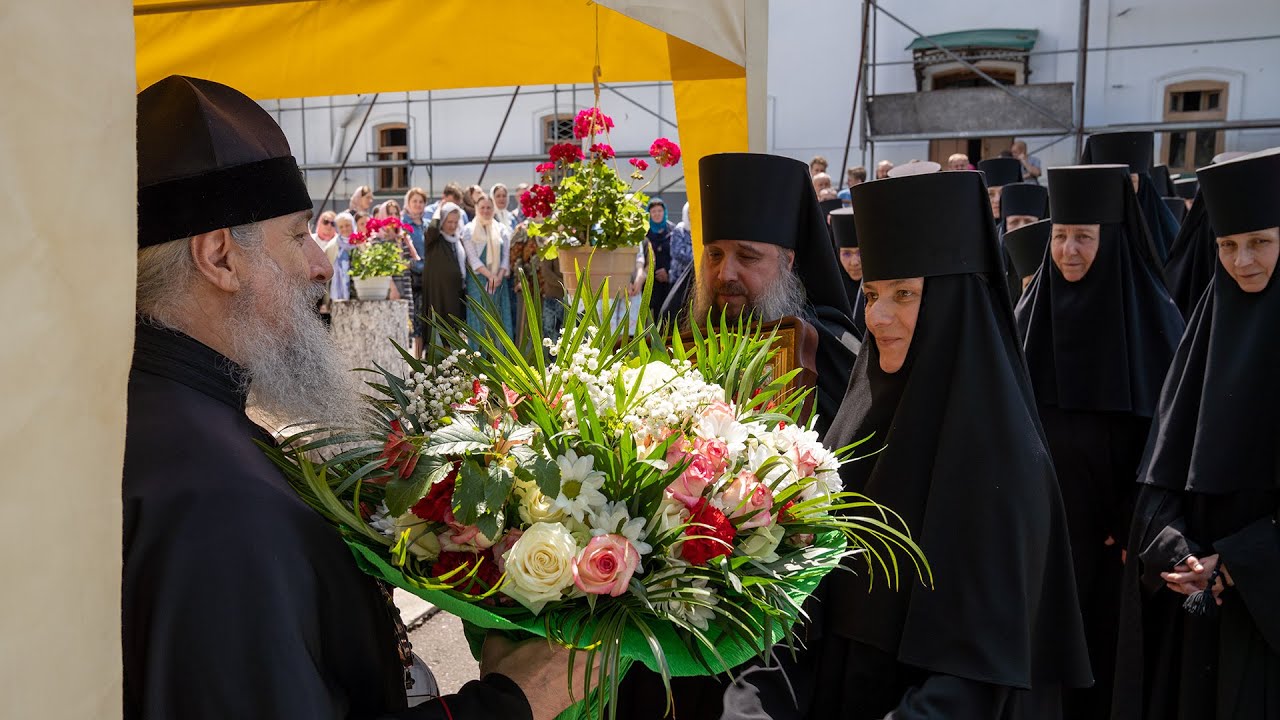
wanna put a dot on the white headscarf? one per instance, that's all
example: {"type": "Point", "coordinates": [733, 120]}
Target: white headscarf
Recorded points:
{"type": "Point", "coordinates": [489, 236]}
{"type": "Point", "coordinates": [443, 213]}
{"type": "Point", "coordinates": [502, 215]}
{"type": "Point", "coordinates": [684, 218]}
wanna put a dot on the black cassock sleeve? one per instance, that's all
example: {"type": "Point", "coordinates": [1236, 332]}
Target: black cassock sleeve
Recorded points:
{"type": "Point", "coordinates": [1159, 534]}
{"type": "Point", "coordinates": [493, 696]}
{"type": "Point", "coordinates": [1252, 556]}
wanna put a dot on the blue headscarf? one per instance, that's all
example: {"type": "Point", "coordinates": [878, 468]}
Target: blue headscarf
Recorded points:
{"type": "Point", "coordinates": [658, 226]}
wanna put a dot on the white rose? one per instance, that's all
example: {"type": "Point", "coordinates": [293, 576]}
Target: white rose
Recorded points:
{"type": "Point", "coordinates": [424, 545]}
{"type": "Point", "coordinates": [540, 565]}
{"type": "Point", "coordinates": [535, 507]}
{"type": "Point", "coordinates": [762, 543]}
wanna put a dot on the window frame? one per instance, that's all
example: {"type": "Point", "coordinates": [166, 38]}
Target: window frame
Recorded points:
{"type": "Point", "coordinates": [391, 179]}
{"type": "Point", "coordinates": [1187, 160]}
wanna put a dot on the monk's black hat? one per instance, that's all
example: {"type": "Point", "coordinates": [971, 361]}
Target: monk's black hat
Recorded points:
{"type": "Point", "coordinates": [953, 235]}
{"type": "Point", "coordinates": [1001, 171]}
{"type": "Point", "coordinates": [209, 157]}
{"type": "Point", "coordinates": [1026, 246]}
{"type": "Point", "coordinates": [1133, 148]}
{"type": "Point", "coordinates": [1088, 194]}
{"type": "Point", "coordinates": [845, 230]}
{"type": "Point", "coordinates": [1024, 199]}
{"type": "Point", "coordinates": [1242, 195]}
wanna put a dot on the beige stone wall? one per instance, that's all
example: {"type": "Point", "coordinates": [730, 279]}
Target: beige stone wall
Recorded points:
{"type": "Point", "coordinates": [66, 307]}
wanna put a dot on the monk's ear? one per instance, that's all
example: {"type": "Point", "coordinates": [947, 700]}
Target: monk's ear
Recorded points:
{"type": "Point", "coordinates": [218, 259]}
{"type": "Point", "coordinates": [791, 259]}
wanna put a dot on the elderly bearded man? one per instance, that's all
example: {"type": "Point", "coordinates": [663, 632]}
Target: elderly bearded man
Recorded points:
{"type": "Point", "coordinates": [238, 600]}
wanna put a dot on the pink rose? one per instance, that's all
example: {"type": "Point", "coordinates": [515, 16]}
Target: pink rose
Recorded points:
{"type": "Point", "coordinates": [720, 412]}
{"type": "Point", "coordinates": [678, 450]}
{"type": "Point", "coordinates": [460, 537]}
{"type": "Point", "coordinates": [747, 497]}
{"type": "Point", "coordinates": [501, 547]}
{"type": "Point", "coordinates": [606, 565]}
{"type": "Point", "coordinates": [808, 457]}
{"type": "Point", "coordinates": [715, 450]}
{"type": "Point", "coordinates": [696, 477]}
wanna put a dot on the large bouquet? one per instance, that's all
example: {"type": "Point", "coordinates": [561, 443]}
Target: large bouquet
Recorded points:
{"type": "Point", "coordinates": [634, 498]}
{"type": "Point", "coordinates": [582, 199]}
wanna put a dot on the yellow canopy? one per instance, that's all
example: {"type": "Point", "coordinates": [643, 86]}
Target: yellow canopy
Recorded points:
{"type": "Point", "coordinates": [302, 48]}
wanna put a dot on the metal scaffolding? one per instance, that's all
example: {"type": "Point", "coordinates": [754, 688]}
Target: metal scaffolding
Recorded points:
{"type": "Point", "coordinates": [1062, 128]}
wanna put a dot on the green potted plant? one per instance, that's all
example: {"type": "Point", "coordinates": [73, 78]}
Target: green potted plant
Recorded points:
{"type": "Point", "coordinates": [376, 258]}
{"type": "Point", "coordinates": [590, 216]}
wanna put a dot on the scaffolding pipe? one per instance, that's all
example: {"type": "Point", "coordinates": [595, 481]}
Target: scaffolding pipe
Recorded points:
{"type": "Point", "coordinates": [857, 83]}
{"type": "Point", "coordinates": [1082, 58]}
{"type": "Point", "coordinates": [329, 193]}
{"type": "Point", "coordinates": [494, 148]}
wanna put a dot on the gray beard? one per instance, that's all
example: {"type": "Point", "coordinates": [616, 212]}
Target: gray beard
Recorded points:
{"type": "Point", "coordinates": [782, 299]}
{"type": "Point", "coordinates": [296, 375]}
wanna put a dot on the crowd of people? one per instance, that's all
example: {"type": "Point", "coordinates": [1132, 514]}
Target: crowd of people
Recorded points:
{"type": "Point", "coordinates": [1069, 399]}
{"type": "Point", "coordinates": [475, 244]}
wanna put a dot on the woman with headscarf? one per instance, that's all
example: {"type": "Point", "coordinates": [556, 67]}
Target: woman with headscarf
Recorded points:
{"type": "Point", "coordinates": [1099, 331]}
{"type": "Point", "coordinates": [846, 236]}
{"type": "Point", "coordinates": [1137, 149]}
{"type": "Point", "coordinates": [444, 274]}
{"type": "Point", "coordinates": [1205, 524]}
{"type": "Point", "coordinates": [340, 284]}
{"type": "Point", "coordinates": [658, 241]}
{"type": "Point", "coordinates": [501, 202]}
{"type": "Point", "coordinates": [953, 445]}
{"type": "Point", "coordinates": [681, 272]}
{"type": "Point", "coordinates": [488, 246]}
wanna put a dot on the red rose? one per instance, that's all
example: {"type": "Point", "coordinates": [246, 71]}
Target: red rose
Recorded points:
{"type": "Point", "coordinates": [566, 153]}
{"type": "Point", "coordinates": [484, 579]}
{"type": "Point", "coordinates": [665, 152]}
{"type": "Point", "coordinates": [604, 152]}
{"type": "Point", "coordinates": [591, 122]}
{"type": "Point", "coordinates": [438, 502]}
{"type": "Point", "coordinates": [707, 522]}
{"type": "Point", "coordinates": [639, 164]}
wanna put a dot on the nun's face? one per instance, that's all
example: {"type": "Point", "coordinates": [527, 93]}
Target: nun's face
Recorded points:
{"type": "Point", "coordinates": [1027, 281]}
{"type": "Point", "coordinates": [893, 307]}
{"type": "Point", "coordinates": [741, 271]}
{"type": "Point", "coordinates": [1133, 178]}
{"type": "Point", "coordinates": [1073, 248]}
{"type": "Point", "coordinates": [1250, 257]}
{"type": "Point", "coordinates": [994, 194]}
{"type": "Point", "coordinates": [1013, 222]}
{"type": "Point", "coordinates": [851, 261]}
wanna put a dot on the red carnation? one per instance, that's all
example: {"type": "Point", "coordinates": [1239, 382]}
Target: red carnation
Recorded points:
{"type": "Point", "coordinates": [665, 152]}
{"type": "Point", "coordinates": [603, 151]}
{"type": "Point", "coordinates": [439, 499]}
{"type": "Point", "coordinates": [708, 523]}
{"type": "Point", "coordinates": [591, 122]}
{"type": "Point", "coordinates": [544, 168]}
{"type": "Point", "coordinates": [639, 164]}
{"type": "Point", "coordinates": [566, 153]}
{"type": "Point", "coordinates": [484, 579]}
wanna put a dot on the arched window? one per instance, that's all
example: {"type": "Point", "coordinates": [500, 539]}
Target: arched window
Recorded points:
{"type": "Point", "coordinates": [556, 129]}
{"type": "Point", "coordinates": [1193, 101]}
{"type": "Point", "coordinates": [392, 144]}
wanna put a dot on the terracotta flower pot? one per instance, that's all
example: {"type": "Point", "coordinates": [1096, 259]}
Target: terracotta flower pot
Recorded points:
{"type": "Point", "coordinates": [618, 266]}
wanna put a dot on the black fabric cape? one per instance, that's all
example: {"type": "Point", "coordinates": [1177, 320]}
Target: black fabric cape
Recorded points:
{"type": "Point", "coordinates": [1097, 351]}
{"type": "Point", "coordinates": [442, 281]}
{"type": "Point", "coordinates": [1160, 221]}
{"type": "Point", "coordinates": [238, 600]}
{"type": "Point", "coordinates": [1192, 259]}
{"type": "Point", "coordinates": [1210, 484]}
{"type": "Point", "coordinates": [965, 464]}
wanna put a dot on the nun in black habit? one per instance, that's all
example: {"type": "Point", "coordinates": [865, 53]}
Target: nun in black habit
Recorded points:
{"type": "Point", "coordinates": [239, 601]}
{"type": "Point", "coordinates": [1020, 204]}
{"type": "Point", "coordinates": [1210, 485]}
{"type": "Point", "coordinates": [999, 172]}
{"type": "Point", "coordinates": [737, 274]}
{"type": "Point", "coordinates": [1136, 149]}
{"type": "Point", "coordinates": [955, 447]}
{"type": "Point", "coordinates": [1026, 247]}
{"type": "Point", "coordinates": [1099, 331]}
{"type": "Point", "coordinates": [846, 235]}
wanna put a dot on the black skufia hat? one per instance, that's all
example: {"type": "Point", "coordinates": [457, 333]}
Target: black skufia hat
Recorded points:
{"type": "Point", "coordinates": [844, 229]}
{"type": "Point", "coordinates": [1086, 194]}
{"type": "Point", "coordinates": [1177, 206]}
{"type": "Point", "coordinates": [1026, 246]}
{"type": "Point", "coordinates": [1186, 188]}
{"type": "Point", "coordinates": [209, 157]}
{"type": "Point", "coordinates": [1164, 182]}
{"type": "Point", "coordinates": [1024, 199]}
{"type": "Point", "coordinates": [793, 222]}
{"type": "Point", "coordinates": [1133, 148]}
{"type": "Point", "coordinates": [1242, 195]}
{"type": "Point", "coordinates": [829, 206]}
{"type": "Point", "coordinates": [1001, 171]}
{"type": "Point", "coordinates": [956, 235]}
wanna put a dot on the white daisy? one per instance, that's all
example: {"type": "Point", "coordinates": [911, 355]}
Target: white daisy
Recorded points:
{"type": "Point", "coordinates": [580, 485]}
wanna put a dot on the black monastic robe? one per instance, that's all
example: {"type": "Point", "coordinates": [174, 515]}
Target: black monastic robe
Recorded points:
{"type": "Point", "coordinates": [239, 601]}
